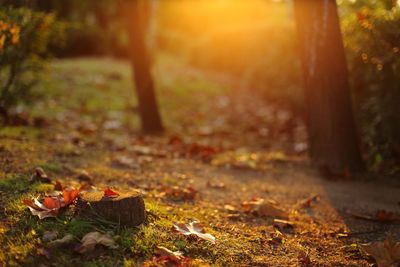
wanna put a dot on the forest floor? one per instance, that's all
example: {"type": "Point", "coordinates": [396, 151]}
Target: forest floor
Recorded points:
{"type": "Point", "coordinates": [223, 147]}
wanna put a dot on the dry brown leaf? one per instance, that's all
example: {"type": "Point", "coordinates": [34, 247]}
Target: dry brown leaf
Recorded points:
{"type": "Point", "coordinates": [51, 205]}
{"type": "Point", "coordinates": [283, 224]}
{"type": "Point", "coordinates": [142, 150]}
{"type": "Point", "coordinates": [304, 258]}
{"type": "Point", "coordinates": [230, 208]}
{"type": "Point", "coordinates": [219, 185]}
{"type": "Point", "coordinates": [306, 203]}
{"type": "Point", "coordinates": [174, 256]}
{"type": "Point", "coordinates": [380, 216]}
{"type": "Point", "coordinates": [184, 193]}
{"type": "Point", "coordinates": [49, 236]}
{"type": "Point", "coordinates": [90, 240]}
{"type": "Point", "coordinates": [386, 253]}
{"type": "Point", "coordinates": [193, 228]}
{"type": "Point", "coordinates": [262, 207]}
{"type": "Point", "coordinates": [39, 175]}
{"type": "Point", "coordinates": [125, 162]}
{"type": "Point", "coordinates": [43, 252]}
{"type": "Point", "coordinates": [38, 209]}
{"type": "Point", "coordinates": [167, 257]}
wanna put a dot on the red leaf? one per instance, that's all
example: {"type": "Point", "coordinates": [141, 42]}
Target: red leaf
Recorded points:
{"type": "Point", "coordinates": [110, 193]}
{"type": "Point", "coordinates": [70, 195]}
{"type": "Point", "coordinates": [52, 202]}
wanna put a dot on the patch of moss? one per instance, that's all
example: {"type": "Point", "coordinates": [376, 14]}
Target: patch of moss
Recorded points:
{"type": "Point", "coordinates": [19, 131]}
{"type": "Point", "coordinates": [52, 166]}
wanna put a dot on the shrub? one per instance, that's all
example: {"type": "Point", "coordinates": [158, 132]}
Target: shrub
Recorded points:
{"type": "Point", "coordinates": [24, 39]}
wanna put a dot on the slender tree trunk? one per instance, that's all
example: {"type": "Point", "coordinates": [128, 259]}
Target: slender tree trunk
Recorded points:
{"type": "Point", "coordinates": [332, 130]}
{"type": "Point", "coordinates": [148, 108]}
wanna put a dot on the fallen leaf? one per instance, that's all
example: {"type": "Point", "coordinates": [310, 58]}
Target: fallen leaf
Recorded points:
{"type": "Point", "coordinates": [43, 252]}
{"type": "Point", "coordinates": [230, 208]}
{"type": "Point", "coordinates": [110, 193]}
{"type": "Point", "coordinates": [386, 253]}
{"type": "Point", "coordinates": [304, 258]}
{"type": "Point", "coordinates": [52, 202]}
{"type": "Point", "coordinates": [234, 217]}
{"type": "Point", "coordinates": [70, 195]}
{"type": "Point", "coordinates": [38, 209]}
{"type": "Point", "coordinates": [90, 240]}
{"type": "Point", "coordinates": [275, 239]}
{"type": "Point", "coordinates": [39, 175]}
{"type": "Point", "coordinates": [380, 216]}
{"type": "Point", "coordinates": [219, 185]}
{"type": "Point", "coordinates": [125, 162]}
{"type": "Point", "coordinates": [51, 205]}
{"type": "Point", "coordinates": [49, 236]}
{"type": "Point", "coordinates": [261, 207]}
{"type": "Point", "coordinates": [142, 150]}
{"type": "Point", "coordinates": [184, 193]}
{"type": "Point", "coordinates": [167, 261]}
{"type": "Point", "coordinates": [175, 140]}
{"type": "Point", "coordinates": [68, 238]}
{"type": "Point", "coordinates": [193, 228]}
{"type": "Point", "coordinates": [204, 152]}
{"type": "Point", "coordinates": [306, 203]}
{"type": "Point", "coordinates": [167, 257]}
{"type": "Point", "coordinates": [239, 160]}
{"type": "Point", "coordinates": [387, 216]}
{"type": "Point", "coordinates": [112, 125]}
{"type": "Point", "coordinates": [283, 224]}
{"type": "Point", "coordinates": [173, 256]}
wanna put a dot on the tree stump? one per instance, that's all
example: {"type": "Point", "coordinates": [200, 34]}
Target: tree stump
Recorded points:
{"type": "Point", "coordinates": [126, 209]}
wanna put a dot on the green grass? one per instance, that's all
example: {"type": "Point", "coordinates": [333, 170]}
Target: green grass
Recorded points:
{"type": "Point", "coordinates": [16, 132]}
{"type": "Point", "coordinates": [21, 237]}
{"type": "Point", "coordinates": [104, 89]}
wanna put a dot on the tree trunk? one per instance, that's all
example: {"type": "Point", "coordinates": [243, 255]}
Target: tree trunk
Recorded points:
{"type": "Point", "coordinates": [332, 130]}
{"type": "Point", "coordinates": [148, 108]}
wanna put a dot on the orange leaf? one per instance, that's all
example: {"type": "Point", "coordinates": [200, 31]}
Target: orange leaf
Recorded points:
{"type": "Point", "coordinates": [110, 193]}
{"type": "Point", "coordinates": [70, 195]}
{"type": "Point", "coordinates": [52, 202]}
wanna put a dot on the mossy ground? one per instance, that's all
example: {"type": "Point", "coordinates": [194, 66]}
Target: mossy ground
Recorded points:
{"type": "Point", "coordinates": [80, 96]}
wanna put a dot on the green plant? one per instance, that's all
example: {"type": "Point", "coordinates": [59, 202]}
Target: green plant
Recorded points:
{"type": "Point", "coordinates": [24, 38]}
{"type": "Point", "coordinates": [372, 40]}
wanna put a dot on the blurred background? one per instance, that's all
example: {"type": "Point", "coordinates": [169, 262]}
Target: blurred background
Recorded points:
{"type": "Point", "coordinates": [247, 47]}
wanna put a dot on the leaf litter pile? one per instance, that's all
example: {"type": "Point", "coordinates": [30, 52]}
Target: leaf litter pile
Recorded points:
{"type": "Point", "coordinates": [221, 190]}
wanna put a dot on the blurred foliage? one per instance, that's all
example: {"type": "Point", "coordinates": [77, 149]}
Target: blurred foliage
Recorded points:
{"type": "Point", "coordinates": [24, 38]}
{"type": "Point", "coordinates": [372, 40]}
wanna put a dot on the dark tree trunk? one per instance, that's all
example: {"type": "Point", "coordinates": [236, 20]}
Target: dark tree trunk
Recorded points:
{"type": "Point", "coordinates": [148, 108]}
{"type": "Point", "coordinates": [332, 130]}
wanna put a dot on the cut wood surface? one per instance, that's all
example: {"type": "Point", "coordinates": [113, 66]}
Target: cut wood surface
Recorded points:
{"type": "Point", "coordinates": [127, 208]}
